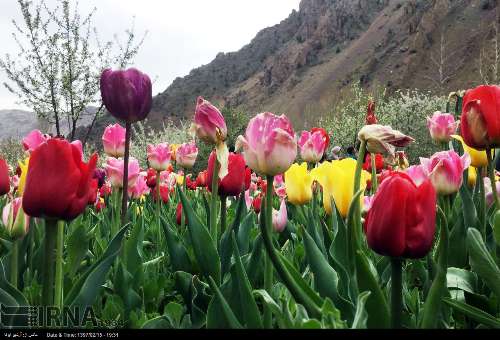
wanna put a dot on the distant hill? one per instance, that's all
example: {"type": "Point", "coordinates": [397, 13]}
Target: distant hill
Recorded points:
{"type": "Point", "coordinates": [300, 65]}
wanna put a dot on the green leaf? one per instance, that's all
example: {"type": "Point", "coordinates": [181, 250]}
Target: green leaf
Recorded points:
{"type": "Point", "coordinates": [361, 315]}
{"type": "Point", "coordinates": [225, 242]}
{"type": "Point", "coordinates": [473, 313]}
{"type": "Point", "coordinates": [203, 245]}
{"type": "Point", "coordinates": [179, 257]}
{"type": "Point", "coordinates": [226, 310]}
{"type": "Point", "coordinates": [77, 247]}
{"type": "Point", "coordinates": [432, 305]}
{"type": "Point", "coordinates": [461, 279]}
{"type": "Point", "coordinates": [376, 306]}
{"type": "Point", "coordinates": [243, 234]}
{"type": "Point", "coordinates": [86, 289]}
{"type": "Point", "coordinates": [496, 228]}
{"type": "Point", "coordinates": [482, 262]}
{"type": "Point", "coordinates": [250, 311]}
{"type": "Point", "coordinates": [469, 209]}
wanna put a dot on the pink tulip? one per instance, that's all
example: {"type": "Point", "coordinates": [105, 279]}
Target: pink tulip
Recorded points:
{"type": "Point", "coordinates": [279, 186]}
{"type": "Point", "coordinates": [488, 191]}
{"type": "Point", "coordinates": [14, 219]}
{"type": "Point", "coordinates": [113, 140]}
{"type": "Point", "coordinates": [186, 155]}
{"type": "Point", "coordinates": [445, 170]}
{"type": "Point", "coordinates": [417, 173]}
{"type": "Point", "coordinates": [248, 199]}
{"type": "Point", "coordinates": [312, 146]}
{"type": "Point", "coordinates": [114, 171]}
{"type": "Point", "coordinates": [159, 156]}
{"type": "Point", "coordinates": [139, 188]}
{"type": "Point", "coordinates": [367, 203]}
{"type": "Point", "coordinates": [33, 140]}
{"type": "Point", "coordinates": [269, 145]}
{"type": "Point", "coordinates": [209, 124]}
{"type": "Point", "coordinates": [442, 126]}
{"type": "Point", "coordinates": [280, 218]}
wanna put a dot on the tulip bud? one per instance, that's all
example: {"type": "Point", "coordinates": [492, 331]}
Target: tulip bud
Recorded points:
{"type": "Point", "coordinates": [100, 205]}
{"type": "Point", "coordinates": [402, 219]}
{"type": "Point", "coordinates": [159, 156]}
{"type": "Point", "coordinates": [445, 170]}
{"type": "Point", "coordinates": [298, 184]}
{"type": "Point", "coordinates": [371, 119]}
{"type": "Point", "coordinates": [127, 94]}
{"type": "Point", "coordinates": [383, 139]}
{"type": "Point", "coordinates": [33, 140]}
{"type": "Point", "coordinates": [4, 177]}
{"type": "Point", "coordinates": [186, 155]}
{"type": "Point", "coordinates": [113, 140]}
{"type": "Point", "coordinates": [15, 220]}
{"type": "Point", "coordinates": [114, 171]}
{"type": "Point", "coordinates": [178, 215]}
{"type": "Point", "coordinates": [280, 218]}
{"type": "Point", "coordinates": [269, 144]}
{"type": "Point", "coordinates": [209, 124]}
{"type": "Point", "coordinates": [257, 203]}
{"type": "Point", "coordinates": [480, 122]}
{"type": "Point", "coordinates": [312, 146]}
{"type": "Point", "coordinates": [442, 126]}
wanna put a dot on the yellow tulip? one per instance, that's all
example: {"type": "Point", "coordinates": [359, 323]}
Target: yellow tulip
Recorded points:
{"type": "Point", "coordinates": [180, 179]}
{"type": "Point", "coordinates": [173, 150]}
{"type": "Point", "coordinates": [24, 173]}
{"type": "Point", "coordinates": [472, 176]}
{"type": "Point", "coordinates": [337, 181]}
{"type": "Point", "coordinates": [478, 158]}
{"type": "Point", "coordinates": [298, 184]}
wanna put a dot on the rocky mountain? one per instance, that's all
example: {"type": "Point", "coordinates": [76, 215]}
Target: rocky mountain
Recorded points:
{"type": "Point", "coordinates": [301, 65]}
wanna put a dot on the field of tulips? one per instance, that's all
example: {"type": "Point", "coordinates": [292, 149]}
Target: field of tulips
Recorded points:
{"type": "Point", "coordinates": [284, 232]}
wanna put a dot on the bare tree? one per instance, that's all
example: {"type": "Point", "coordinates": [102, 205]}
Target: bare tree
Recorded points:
{"type": "Point", "coordinates": [489, 55]}
{"type": "Point", "coordinates": [60, 59]}
{"type": "Point", "coordinates": [443, 69]}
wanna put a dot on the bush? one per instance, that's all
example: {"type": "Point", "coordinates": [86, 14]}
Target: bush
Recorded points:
{"type": "Point", "coordinates": [403, 110]}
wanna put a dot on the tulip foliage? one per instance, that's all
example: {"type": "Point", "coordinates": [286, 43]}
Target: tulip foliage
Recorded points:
{"type": "Point", "coordinates": [272, 235]}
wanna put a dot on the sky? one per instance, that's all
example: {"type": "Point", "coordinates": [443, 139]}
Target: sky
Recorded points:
{"type": "Point", "coordinates": [182, 34]}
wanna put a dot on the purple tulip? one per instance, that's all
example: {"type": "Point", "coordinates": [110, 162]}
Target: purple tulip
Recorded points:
{"type": "Point", "coordinates": [127, 94]}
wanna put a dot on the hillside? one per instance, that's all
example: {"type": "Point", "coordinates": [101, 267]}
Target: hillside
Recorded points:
{"type": "Point", "coordinates": [300, 66]}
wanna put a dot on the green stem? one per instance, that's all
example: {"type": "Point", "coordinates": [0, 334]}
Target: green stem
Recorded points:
{"type": "Point", "coordinates": [396, 292]}
{"type": "Point", "coordinates": [491, 172]}
{"type": "Point", "coordinates": [223, 213]}
{"type": "Point", "coordinates": [374, 173]}
{"type": "Point", "coordinates": [158, 206]}
{"type": "Point", "coordinates": [128, 128]}
{"type": "Point", "coordinates": [482, 200]}
{"type": "Point", "coordinates": [213, 201]}
{"type": "Point", "coordinates": [268, 267]}
{"type": "Point", "coordinates": [49, 262]}
{"type": "Point", "coordinates": [183, 216]}
{"type": "Point", "coordinates": [357, 184]}
{"type": "Point", "coordinates": [58, 297]}
{"type": "Point", "coordinates": [14, 258]}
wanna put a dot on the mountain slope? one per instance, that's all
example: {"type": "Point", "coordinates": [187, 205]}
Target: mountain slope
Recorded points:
{"type": "Point", "coordinates": [300, 66]}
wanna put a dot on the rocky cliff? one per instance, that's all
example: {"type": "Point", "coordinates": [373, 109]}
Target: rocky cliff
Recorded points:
{"type": "Point", "coordinates": [300, 66]}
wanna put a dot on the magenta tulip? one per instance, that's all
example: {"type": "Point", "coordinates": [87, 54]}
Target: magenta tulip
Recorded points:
{"type": "Point", "coordinates": [186, 155]}
{"type": "Point", "coordinates": [269, 144]}
{"type": "Point", "coordinates": [442, 126]}
{"type": "Point", "coordinates": [312, 146]}
{"type": "Point", "coordinates": [113, 141]}
{"type": "Point", "coordinates": [114, 171]}
{"type": "Point", "coordinates": [417, 173]}
{"type": "Point", "coordinates": [445, 170]}
{"type": "Point", "coordinates": [209, 124]}
{"type": "Point", "coordinates": [33, 140]}
{"type": "Point", "coordinates": [159, 156]}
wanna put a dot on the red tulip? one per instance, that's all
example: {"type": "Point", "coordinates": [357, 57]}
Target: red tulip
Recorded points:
{"type": "Point", "coordinates": [402, 219]}
{"type": "Point", "coordinates": [4, 177]}
{"type": "Point", "coordinates": [256, 203]}
{"type": "Point", "coordinates": [58, 181]}
{"type": "Point", "coordinates": [235, 181]}
{"type": "Point", "coordinates": [164, 193]}
{"type": "Point", "coordinates": [93, 191]}
{"type": "Point", "coordinates": [371, 119]}
{"type": "Point", "coordinates": [202, 179]}
{"type": "Point", "coordinates": [379, 163]}
{"type": "Point", "coordinates": [100, 205]}
{"type": "Point", "coordinates": [190, 184]}
{"type": "Point", "coordinates": [151, 178]}
{"type": "Point", "coordinates": [178, 215]}
{"type": "Point", "coordinates": [480, 123]}
{"type": "Point", "coordinates": [105, 190]}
